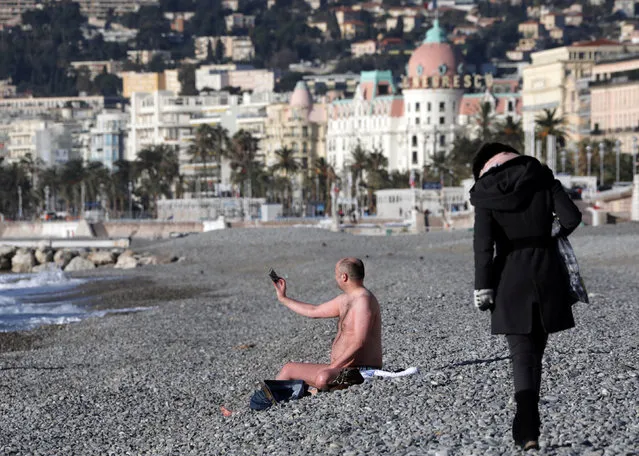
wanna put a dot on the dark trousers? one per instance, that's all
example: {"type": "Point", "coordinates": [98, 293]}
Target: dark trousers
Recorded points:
{"type": "Point", "coordinates": [526, 351]}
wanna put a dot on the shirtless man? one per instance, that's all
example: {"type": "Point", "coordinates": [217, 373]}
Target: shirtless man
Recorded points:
{"type": "Point", "coordinates": [359, 330]}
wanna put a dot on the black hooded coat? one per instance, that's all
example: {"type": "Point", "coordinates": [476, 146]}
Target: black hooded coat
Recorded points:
{"type": "Point", "coordinates": [515, 255]}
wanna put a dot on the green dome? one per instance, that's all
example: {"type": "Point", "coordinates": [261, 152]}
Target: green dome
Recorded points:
{"type": "Point", "coordinates": [435, 34]}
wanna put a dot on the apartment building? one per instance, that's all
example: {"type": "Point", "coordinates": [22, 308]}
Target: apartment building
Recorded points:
{"type": "Point", "coordinates": [552, 81]}
{"type": "Point", "coordinates": [44, 140]}
{"type": "Point", "coordinates": [236, 48]}
{"type": "Point", "coordinates": [96, 67]}
{"type": "Point", "coordinates": [217, 77]}
{"type": "Point", "coordinates": [11, 10]}
{"type": "Point", "coordinates": [108, 138]}
{"type": "Point", "coordinates": [239, 20]}
{"type": "Point", "coordinates": [150, 82]}
{"type": "Point", "coordinates": [361, 48]}
{"type": "Point", "coordinates": [162, 117]}
{"type": "Point", "coordinates": [63, 107]}
{"type": "Point", "coordinates": [614, 100]}
{"type": "Point", "coordinates": [145, 56]}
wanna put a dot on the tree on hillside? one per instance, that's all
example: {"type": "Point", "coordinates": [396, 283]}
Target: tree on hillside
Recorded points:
{"type": "Point", "coordinates": [333, 27]}
{"type": "Point", "coordinates": [186, 76]}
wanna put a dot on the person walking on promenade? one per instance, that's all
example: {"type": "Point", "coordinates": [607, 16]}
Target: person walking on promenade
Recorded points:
{"type": "Point", "coordinates": [519, 276]}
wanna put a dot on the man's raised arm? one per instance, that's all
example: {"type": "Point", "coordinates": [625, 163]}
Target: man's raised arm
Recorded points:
{"type": "Point", "coordinates": [329, 309]}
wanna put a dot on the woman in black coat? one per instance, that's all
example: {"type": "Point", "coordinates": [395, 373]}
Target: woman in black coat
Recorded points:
{"type": "Point", "coordinates": [518, 272]}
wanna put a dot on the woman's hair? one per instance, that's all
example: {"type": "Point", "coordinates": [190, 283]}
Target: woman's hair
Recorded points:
{"type": "Point", "coordinates": [486, 152]}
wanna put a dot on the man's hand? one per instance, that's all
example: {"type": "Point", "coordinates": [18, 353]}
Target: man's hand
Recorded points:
{"type": "Point", "coordinates": [484, 299]}
{"type": "Point", "coordinates": [280, 288]}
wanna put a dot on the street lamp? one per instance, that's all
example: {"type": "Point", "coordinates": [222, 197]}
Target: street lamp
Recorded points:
{"type": "Point", "coordinates": [130, 187]}
{"type": "Point", "coordinates": [563, 161]}
{"type": "Point", "coordinates": [46, 198]}
{"type": "Point", "coordinates": [617, 153]}
{"type": "Point", "coordinates": [19, 202]}
{"type": "Point", "coordinates": [634, 156]}
{"type": "Point", "coordinates": [602, 150]}
{"type": "Point", "coordinates": [589, 157]}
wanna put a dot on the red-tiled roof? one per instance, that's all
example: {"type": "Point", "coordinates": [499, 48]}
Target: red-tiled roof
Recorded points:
{"type": "Point", "coordinates": [599, 42]}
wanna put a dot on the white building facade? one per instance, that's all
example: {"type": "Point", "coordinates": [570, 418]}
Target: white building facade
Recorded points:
{"type": "Point", "coordinates": [108, 138]}
{"type": "Point", "coordinates": [409, 128]}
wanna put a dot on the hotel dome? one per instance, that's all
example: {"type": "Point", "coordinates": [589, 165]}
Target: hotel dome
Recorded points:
{"type": "Point", "coordinates": [434, 57]}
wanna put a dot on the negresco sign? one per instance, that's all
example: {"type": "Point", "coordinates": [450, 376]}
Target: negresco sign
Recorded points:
{"type": "Point", "coordinates": [458, 81]}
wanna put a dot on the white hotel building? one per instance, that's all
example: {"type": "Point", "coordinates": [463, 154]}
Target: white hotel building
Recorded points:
{"type": "Point", "coordinates": [409, 128]}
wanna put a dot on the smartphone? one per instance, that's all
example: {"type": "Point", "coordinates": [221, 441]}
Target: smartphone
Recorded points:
{"type": "Point", "coordinates": [273, 275]}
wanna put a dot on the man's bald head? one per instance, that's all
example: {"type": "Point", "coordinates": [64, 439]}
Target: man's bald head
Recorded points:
{"type": "Point", "coordinates": [353, 267]}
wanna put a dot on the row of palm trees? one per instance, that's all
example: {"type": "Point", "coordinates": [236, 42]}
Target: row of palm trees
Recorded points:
{"type": "Point", "coordinates": [155, 172]}
{"type": "Point", "coordinates": [27, 188]}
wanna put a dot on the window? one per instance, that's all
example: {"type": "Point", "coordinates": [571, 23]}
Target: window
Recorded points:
{"type": "Point", "coordinates": [442, 140]}
{"type": "Point", "coordinates": [442, 120]}
{"type": "Point", "coordinates": [442, 106]}
{"type": "Point", "coordinates": [510, 106]}
{"type": "Point", "coordinates": [454, 106]}
{"type": "Point", "coordinates": [305, 131]}
{"type": "Point", "coordinates": [414, 157]}
{"type": "Point", "coordinates": [428, 120]}
{"type": "Point", "coordinates": [428, 107]}
{"type": "Point", "coordinates": [416, 120]}
{"type": "Point", "coordinates": [414, 141]}
{"type": "Point", "coordinates": [416, 107]}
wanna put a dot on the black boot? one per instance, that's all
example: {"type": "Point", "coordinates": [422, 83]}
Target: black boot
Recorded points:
{"type": "Point", "coordinates": [526, 422]}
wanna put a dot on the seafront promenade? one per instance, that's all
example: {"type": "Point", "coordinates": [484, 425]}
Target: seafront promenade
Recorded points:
{"type": "Point", "coordinates": [152, 382]}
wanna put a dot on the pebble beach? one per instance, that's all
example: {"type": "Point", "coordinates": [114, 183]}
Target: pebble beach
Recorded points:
{"type": "Point", "coordinates": [152, 382]}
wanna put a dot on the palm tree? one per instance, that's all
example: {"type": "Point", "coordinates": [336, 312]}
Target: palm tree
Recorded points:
{"type": "Point", "coordinates": [289, 166]}
{"type": "Point", "coordinates": [511, 132]}
{"type": "Point", "coordinates": [123, 172]}
{"type": "Point", "coordinates": [327, 176]}
{"type": "Point", "coordinates": [485, 120]}
{"type": "Point", "coordinates": [359, 158]}
{"type": "Point", "coordinates": [549, 123]}
{"type": "Point", "coordinates": [438, 167]}
{"type": "Point", "coordinates": [157, 167]}
{"type": "Point", "coordinates": [12, 177]}
{"type": "Point", "coordinates": [209, 145]}
{"type": "Point", "coordinates": [52, 178]}
{"type": "Point", "coordinates": [376, 174]}
{"type": "Point", "coordinates": [459, 160]}
{"type": "Point", "coordinates": [242, 154]}
{"type": "Point", "coordinates": [72, 175]}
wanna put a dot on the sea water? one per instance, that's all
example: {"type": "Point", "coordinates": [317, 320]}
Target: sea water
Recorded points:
{"type": "Point", "coordinates": [31, 300]}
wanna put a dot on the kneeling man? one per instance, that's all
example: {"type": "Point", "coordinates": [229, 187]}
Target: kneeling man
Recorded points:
{"type": "Point", "coordinates": [358, 343]}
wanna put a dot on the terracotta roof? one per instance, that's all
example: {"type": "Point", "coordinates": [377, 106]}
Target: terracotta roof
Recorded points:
{"type": "Point", "coordinates": [599, 42]}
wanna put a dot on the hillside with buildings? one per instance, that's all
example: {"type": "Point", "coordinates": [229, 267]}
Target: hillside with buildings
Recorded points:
{"type": "Point", "coordinates": [113, 103]}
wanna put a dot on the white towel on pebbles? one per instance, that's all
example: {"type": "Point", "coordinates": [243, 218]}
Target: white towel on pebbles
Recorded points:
{"type": "Point", "coordinates": [370, 373]}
